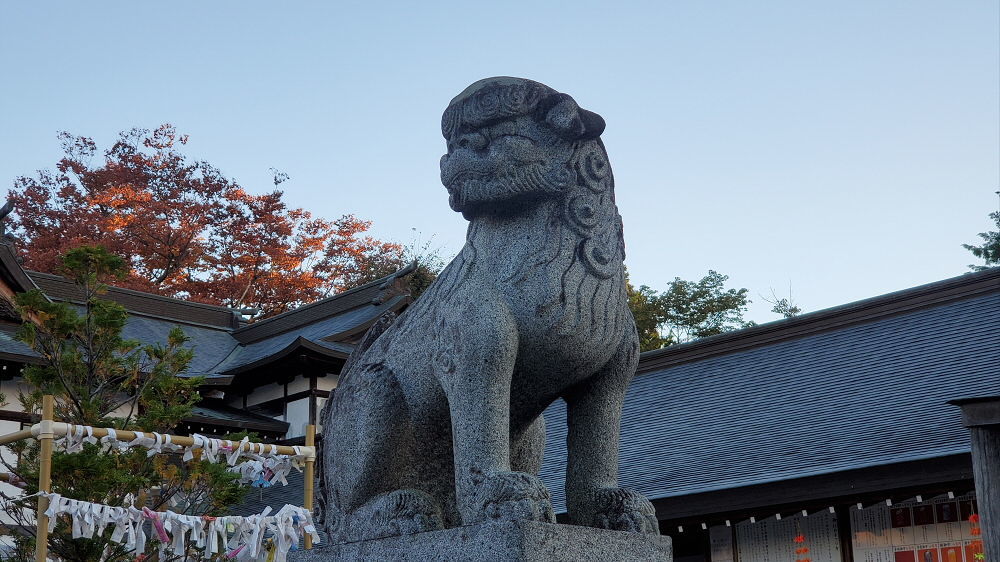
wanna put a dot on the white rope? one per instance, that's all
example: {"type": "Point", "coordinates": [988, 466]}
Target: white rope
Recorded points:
{"type": "Point", "coordinates": [156, 443]}
{"type": "Point", "coordinates": [262, 465]}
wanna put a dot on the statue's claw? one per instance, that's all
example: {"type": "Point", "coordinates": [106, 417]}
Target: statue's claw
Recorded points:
{"type": "Point", "coordinates": [619, 509]}
{"type": "Point", "coordinates": [510, 496]}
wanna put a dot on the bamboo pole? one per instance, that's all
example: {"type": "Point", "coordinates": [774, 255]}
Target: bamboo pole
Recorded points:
{"type": "Point", "coordinates": [310, 476]}
{"type": "Point", "coordinates": [16, 436]}
{"type": "Point", "coordinates": [44, 477]}
{"type": "Point", "coordinates": [60, 429]}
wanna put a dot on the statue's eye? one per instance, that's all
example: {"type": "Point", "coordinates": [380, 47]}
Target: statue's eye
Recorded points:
{"type": "Point", "coordinates": [471, 141]}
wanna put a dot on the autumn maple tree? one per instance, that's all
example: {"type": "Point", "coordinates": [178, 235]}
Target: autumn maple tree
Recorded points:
{"type": "Point", "coordinates": [188, 230]}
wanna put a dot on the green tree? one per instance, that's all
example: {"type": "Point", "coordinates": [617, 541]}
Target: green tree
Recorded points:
{"type": "Point", "coordinates": [989, 251]}
{"type": "Point", "coordinates": [648, 316]}
{"type": "Point", "coordinates": [687, 310]}
{"type": "Point", "coordinates": [785, 307]}
{"type": "Point", "coordinates": [426, 257]}
{"type": "Point", "coordinates": [98, 378]}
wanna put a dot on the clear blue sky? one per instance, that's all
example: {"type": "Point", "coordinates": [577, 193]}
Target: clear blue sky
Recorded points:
{"type": "Point", "coordinates": [846, 148]}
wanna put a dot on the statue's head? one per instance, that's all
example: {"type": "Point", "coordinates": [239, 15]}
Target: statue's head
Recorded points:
{"type": "Point", "coordinates": [512, 139]}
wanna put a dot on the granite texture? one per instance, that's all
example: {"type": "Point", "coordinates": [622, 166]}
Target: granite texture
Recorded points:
{"type": "Point", "coordinates": [501, 541]}
{"type": "Point", "coordinates": [437, 418]}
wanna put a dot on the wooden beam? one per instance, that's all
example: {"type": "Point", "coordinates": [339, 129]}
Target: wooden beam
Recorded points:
{"type": "Point", "coordinates": [12, 415]}
{"type": "Point", "coordinates": [291, 398]}
{"type": "Point", "coordinates": [844, 534]}
{"type": "Point", "coordinates": [920, 476]}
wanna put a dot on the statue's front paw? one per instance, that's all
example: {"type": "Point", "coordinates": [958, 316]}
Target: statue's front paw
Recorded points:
{"type": "Point", "coordinates": [400, 512]}
{"type": "Point", "coordinates": [619, 509]}
{"type": "Point", "coordinates": [511, 496]}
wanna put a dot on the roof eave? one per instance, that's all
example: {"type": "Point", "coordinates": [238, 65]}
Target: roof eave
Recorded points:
{"type": "Point", "coordinates": [298, 344]}
{"type": "Point", "coordinates": [276, 426]}
{"type": "Point", "coordinates": [12, 272]}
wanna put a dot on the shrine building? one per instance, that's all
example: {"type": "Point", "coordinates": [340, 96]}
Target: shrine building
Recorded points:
{"type": "Point", "coordinates": [832, 427]}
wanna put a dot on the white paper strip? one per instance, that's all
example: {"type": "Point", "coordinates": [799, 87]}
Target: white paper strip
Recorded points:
{"type": "Point", "coordinates": [241, 538]}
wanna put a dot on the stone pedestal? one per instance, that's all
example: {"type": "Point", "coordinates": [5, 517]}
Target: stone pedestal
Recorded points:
{"type": "Point", "coordinates": [501, 542]}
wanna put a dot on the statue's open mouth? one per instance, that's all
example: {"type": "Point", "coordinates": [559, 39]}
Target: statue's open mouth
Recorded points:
{"type": "Point", "coordinates": [459, 179]}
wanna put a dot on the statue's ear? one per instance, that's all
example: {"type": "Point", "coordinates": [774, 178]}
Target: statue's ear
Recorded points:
{"type": "Point", "coordinates": [570, 121]}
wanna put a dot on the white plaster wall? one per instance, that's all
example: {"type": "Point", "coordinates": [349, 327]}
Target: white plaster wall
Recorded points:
{"type": "Point", "coordinates": [264, 393]}
{"type": "Point", "coordinates": [297, 418]}
{"type": "Point", "coordinates": [328, 382]}
{"type": "Point", "coordinates": [299, 384]}
{"type": "Point", "coordinates": [10, 389]}
{"type": "Point", "coordinates": [274, 391]}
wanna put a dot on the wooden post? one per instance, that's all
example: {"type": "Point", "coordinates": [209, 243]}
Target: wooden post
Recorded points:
{"type": "Point", "coordinates": [982, 417]}
{"type": "Point", "coordinates": [44, 477]}
{"type": "Point", "coordinates": [310, 475]}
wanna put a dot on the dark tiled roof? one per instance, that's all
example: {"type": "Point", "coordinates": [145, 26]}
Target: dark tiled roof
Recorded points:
{"type": "Point", "coordinates": [12, 349]}
{"type": "Point", "coordinates": [218, 347]}
{"type": "Point", "coordinates": [211, 345]}
{"type": "Point", "coordinates": [376, 293]}
{"type": "Point", "coordinates": [176, 310]}
{"type": "Point", "coordinates": [276, 497]}
{"type": "Point", "coordinates": [862, 394]}
{"type": "Point", "coordinates": [280, 344]}
{"type": "Point", "coordinates": [866, 310]}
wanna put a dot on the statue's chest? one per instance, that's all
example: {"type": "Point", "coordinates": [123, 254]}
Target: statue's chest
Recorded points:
{"type": "Point", "coordinates": [574, 323]}
{"type": "Point", "coordinates": [568, 311]}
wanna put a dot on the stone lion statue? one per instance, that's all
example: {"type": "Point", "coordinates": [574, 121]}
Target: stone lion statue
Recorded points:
{"type": "Point", "coordinates": [437, 421]}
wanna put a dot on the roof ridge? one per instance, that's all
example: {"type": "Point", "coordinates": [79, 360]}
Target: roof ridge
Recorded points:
{"type": "Point", "coordinates": [855, 312]}
{"type": "Point", "coordinates": [216, 307]}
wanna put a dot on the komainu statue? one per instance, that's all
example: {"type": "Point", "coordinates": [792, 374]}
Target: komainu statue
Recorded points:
{"type": "Point", "coordinates": [437, 421]}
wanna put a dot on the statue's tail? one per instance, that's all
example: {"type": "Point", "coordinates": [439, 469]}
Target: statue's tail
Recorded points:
{"type": "Point", "coordinates": [377, 329]}
{"type": "Point", "coordinates": [327, 513]}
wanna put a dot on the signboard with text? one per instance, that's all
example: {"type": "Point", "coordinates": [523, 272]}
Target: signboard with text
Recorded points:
{"type": "Point", "coordinates": [931, 531]}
